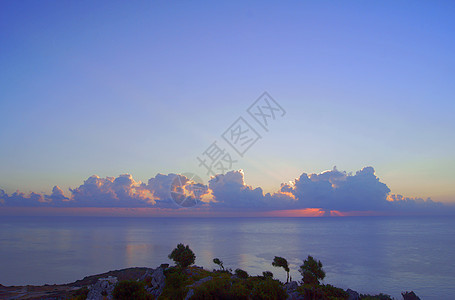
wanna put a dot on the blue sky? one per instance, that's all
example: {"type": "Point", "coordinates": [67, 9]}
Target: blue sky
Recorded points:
{"type": "Point", "coordinates": [109, 88]}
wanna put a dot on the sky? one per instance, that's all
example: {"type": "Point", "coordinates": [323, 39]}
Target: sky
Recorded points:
{"type": "Point", "coordinates": [96, 91]}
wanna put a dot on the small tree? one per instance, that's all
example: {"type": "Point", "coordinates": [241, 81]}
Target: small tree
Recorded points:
{"type": "Point", "coordinates": [283, 263]}
{"type": "Point", "coordinates": [183, 256]}
{"type": "Point", "coordinates": [218, 262]}
{"type": "Point", "coordinates": [241, 274]}
{"type": "Point", "coordinates": [267, 274]}
{"type": "Point", "coordinates": [312, 271]}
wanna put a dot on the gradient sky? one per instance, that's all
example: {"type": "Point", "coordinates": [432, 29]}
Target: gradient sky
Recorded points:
{"type": "Point", "coordinates": [109, 88]}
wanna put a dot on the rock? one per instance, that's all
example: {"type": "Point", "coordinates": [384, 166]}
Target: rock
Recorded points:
{"type": "Point", "coordinates": [102, 288]}
{"type": "Point", "coordinates": [196, 284]}
{"type": "Point", "coordinates": [147, 273]}
{"type": "Point", "coordinates": [295, 296]}
{"type": "Point", "coordinates": [189, 294]}
{"type": "Point", "coordinates": [157, 281]}
{"type": "Point", "coordinates": [410, 296]}
{"type": "Point", "coordinates": [291, 286]}
{"type": "Point", "coordinates": [201, 281]}
{"type": "Point", "coordinates": [353, 295]}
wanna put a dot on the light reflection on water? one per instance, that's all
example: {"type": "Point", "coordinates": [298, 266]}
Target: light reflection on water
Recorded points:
{"type": "Point", "coordinates": [366, 254]}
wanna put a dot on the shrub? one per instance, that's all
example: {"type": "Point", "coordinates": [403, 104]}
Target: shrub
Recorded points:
{"type": "Point", "coordinates": [268, 289]}
{"type": "Point", "coordinates": [225, 287]}
{"type": "Point", "coordinates": [322, 292]}
{"type": "Point", "coordinates": [241, 274]}
{"type": "Point", "coordinates": [80, 294]}
{"type": "Point", "coordinates": [217, 288]}
{"type": "Point", "coordinates": [380, 296]}
{"type": "Point", "coordinates": [175, 284]}
{"type": "Point", "coordinates": [267, 274]}
{"type": "Point", "coordinates": [333, 293]}
{"type": "Point", "coordinates": [130, 289]}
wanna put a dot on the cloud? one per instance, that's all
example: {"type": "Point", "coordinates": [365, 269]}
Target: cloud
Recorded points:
{"type": "Point", "coordinates": [159, 186]}
{"type": "Point", "coordinates": [339, 191]}
{"type": "Point", "coordinates": [3, 196]}
{"type": "Point", "coordinates": [172, 188]}
{"type": "Point", "coordinates": [230, 191]}
{"type": "Point", "coordinates": [21, 200]}
{"type": "Point", "coordinates": [56, 195]}
{"type": "Point", "coordinates": [122, 191]}
{"type": "Point", "coordinates": [335, 190]}
{"type": "Point", "coordinates": [398, 202]}
{"type": "Point", "coordinates": [331, 191]}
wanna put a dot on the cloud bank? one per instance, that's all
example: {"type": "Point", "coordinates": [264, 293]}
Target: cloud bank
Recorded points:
{"type": "Point", "coordinates": [329, 191]}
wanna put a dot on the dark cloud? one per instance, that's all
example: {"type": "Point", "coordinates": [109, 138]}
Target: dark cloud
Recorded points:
{"type": "Point", "coordinates": [400, 203]}
{"type": "Point", "coordinates": [3, 196]}
{"type": "Point", "coordinates": [330, 191]}
{"type": "Point", "coordinates": [21, 200]}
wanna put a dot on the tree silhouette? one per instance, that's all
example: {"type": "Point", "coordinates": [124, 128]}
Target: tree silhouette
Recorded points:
{"type": "Point", "coordinates": [183, 256]}
{"type": "Point", "coordinates": [241, 273]}
{"type": "Point", "coordinates": [219, 262]}
{"type": "Point", "coordinates": [312, 271]}
{"type": "Point", "coordinates": [283, 263]}
{"type": "Point", "coordinates": [267, 274]}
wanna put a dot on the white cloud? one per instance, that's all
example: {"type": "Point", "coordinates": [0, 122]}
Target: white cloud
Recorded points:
{"type": "Point", "coordinates": [330, 190]}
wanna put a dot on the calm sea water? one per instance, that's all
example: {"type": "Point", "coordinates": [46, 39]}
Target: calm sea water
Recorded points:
{"type": "Point", "coordinates": [367, 254]}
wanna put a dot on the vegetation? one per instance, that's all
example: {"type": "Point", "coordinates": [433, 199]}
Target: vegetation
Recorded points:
{"type": "Point", "coordinates": [312, 271]}
{"type": "Point", "coordinates": [283, 263]}
{"type": "Point", "coordinates": [331, 293]}
{"type": "Point", "coordinates": [130, 289]}
{"type": "Point", "coordinates": [380, 296]}
{"type": "Point", "coordinates": [184, 281]}
{"type": "Point", "coordinates": [241, 273]}
{"type": "Point", "coordinates": [268, 289]}
{"type": "Point", "coordinates": [183, 256]}
{"type": "Point", "coordinates": [175, 283]}
{"type": "Point", "coordinates": [219, 262]}
{"type": "Point", "coordinates": [80, 294]}
{"type": "Point", "coordinates": [223, 284]}
{"type": "Point", "coordinates": [322, 292]}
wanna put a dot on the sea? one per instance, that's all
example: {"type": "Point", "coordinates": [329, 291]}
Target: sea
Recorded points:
{"type": "Point", "coordinates": [367, 254]}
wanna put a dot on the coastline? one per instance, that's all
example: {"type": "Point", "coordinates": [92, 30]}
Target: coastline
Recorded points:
{"type": "Point", "coordinates": [100, 286]}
